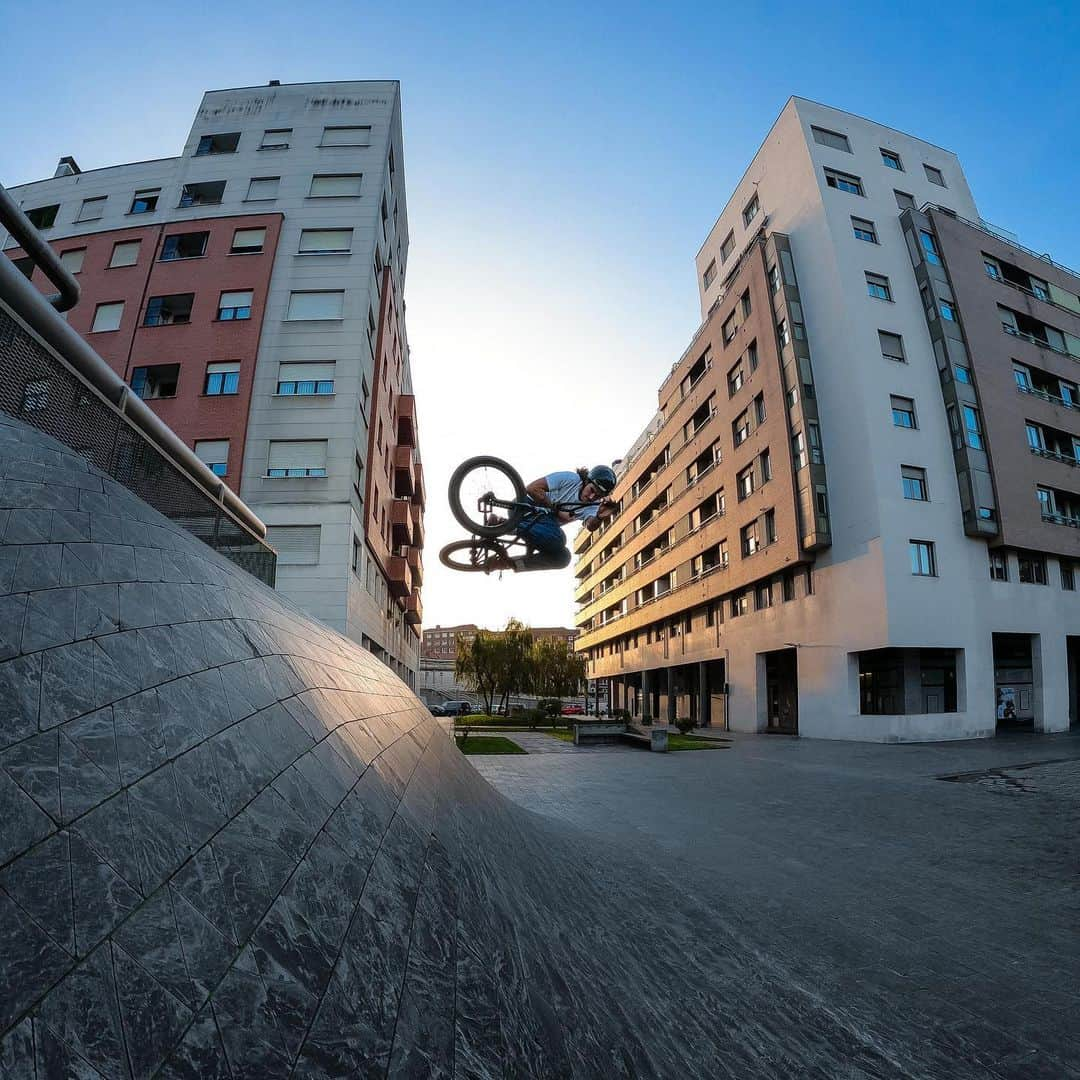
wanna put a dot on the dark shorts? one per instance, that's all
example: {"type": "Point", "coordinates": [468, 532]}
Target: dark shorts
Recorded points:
{"type": "Point", "coordinates": [546, 535]}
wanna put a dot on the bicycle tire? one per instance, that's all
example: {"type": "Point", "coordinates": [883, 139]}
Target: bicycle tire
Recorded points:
{"type": "Point", "coordinates": [471, 546]}
{"type": "Point", "coordinates": [469, 520]}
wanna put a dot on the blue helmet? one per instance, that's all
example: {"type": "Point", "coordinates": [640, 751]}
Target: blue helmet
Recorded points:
{"type": "Point", "coordinates": [603, 476]}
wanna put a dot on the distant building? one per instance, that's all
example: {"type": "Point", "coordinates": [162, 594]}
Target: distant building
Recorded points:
{"type": "Point", "coordinates": [440, 642]}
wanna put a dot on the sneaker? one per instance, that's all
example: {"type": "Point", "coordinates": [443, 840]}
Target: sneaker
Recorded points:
{"type": "Point", "coordinates": [498, 562]}
{"type": "Point", "coordinates": [494, 519]}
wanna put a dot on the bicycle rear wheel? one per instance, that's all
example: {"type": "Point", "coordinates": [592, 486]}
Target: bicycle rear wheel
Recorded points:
{"type": "Point", "coordinates": [468, 555]}
{"type": "Point", "coordinates": [475, 483]}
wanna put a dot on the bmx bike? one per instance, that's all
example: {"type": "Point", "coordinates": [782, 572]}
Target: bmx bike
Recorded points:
{"type": "Point", "coordinates": [488, 498]}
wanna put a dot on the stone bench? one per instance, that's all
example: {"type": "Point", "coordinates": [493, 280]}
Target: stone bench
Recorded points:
{"type": "Point", "coordinates": [654, 738]}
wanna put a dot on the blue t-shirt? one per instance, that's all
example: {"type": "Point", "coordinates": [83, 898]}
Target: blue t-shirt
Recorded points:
{"type": "Point", "coordinates": [566, 487]}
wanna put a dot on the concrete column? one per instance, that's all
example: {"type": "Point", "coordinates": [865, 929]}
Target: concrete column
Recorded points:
{"type": "Point", "coordinates": [670, 711]}
{"type": "Point", "coordinates": [704, 716]}
{"type": "Point", "coordinates": [646, 695]}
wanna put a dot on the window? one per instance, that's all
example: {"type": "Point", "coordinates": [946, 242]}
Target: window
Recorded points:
{"type": "Point", "coordinates": [864, 230]}
{"type": "Point", "coordinates": [125, 253]}
{"type": "Point", "coordinates": [214, 454]}
{"type": "Point", "coordinates": [167, 310]}
{"type": "Point", "coordinates": [914, 483]}
{"type": "Point", "coordinates": [947, 310]}
{"type": "Point", "coordinates": [357, 557]}
{"type": "Point", "coordinates": [276, 139]}
{"type": "Point", "coordinates": [315, 305]}
{"type": "Point", "coordinates": [304, 379]}
{"type": "Point", "coordinates": [750, 211]}
{"type": "Point", "coordinates": [145, 202]}
{"type": "Point", "coordinates": [207, 194]}
{"type": "Point", "coordinates": [247, 241]}
{"type": "Point", "coordinates": [346, 136]}
{"type": "Point", "coordinates": [903, 412]}
{"type": "Point", "coordinates": [1068, 577]}
{"type": "Point", "coordinates": [934, 175]}
{"type": "Point", "coordinates": [752, 356]}
{"type": "Point", "coordinates": [813, 431]}
{"type": "Point", "coordinates": [749, 541]}
{"type": "Point", "coordinates": [930, 248]}
{"type": "Point", "coordinates": [43, 217]}
{"type": "Point", "coordinates": [154, 382]}
{"type": "Point", "coordinates": [740, 604]}
{"type": "Point", "coordinates": [744, 302]}
{"type": "Point", "coordinates": [728, 329]}
{"type": "Point", "coordinates": [759, 408]}
{"type": "Point", "coordinates": [365, 395]}
{"type": "Point", "coordinates": [325, 241]}
{"type": "Point", "coordinates": [234, 306]}
{"type": "Point", "coordinates": [335, 185]}
{"type": "Point", "coordinates": [878, 286]}
{"type": "Point", "coordinates": [923, 561]}
{"type": "Point", "coordinates": [992, 268]}
{"type": "Point", "coordinates": [222, 378]}
{"type": "Point", "coordinates": [892, 346]}
{"type": "Point", "coordinates": [774, 280]}
{"type": "Point", "coordinates": [789, 586]}
{"type": "Point", "coordinates": [903, 200]}
{"type": "Point", "coordinates": [770, 526]}
{"type": "Point", "coordinates": [218, 144]}
{"type": "Point", "coordinates": [999, 566]}
{"type": "Point", "coordinates": [844, 182]}
{"type": "Point", "coordinates": [740, 428]}
{"type": "Point", "coordinates": [261, 188]}
{"type": "Point", "coordinates": [727, 247]}
{"type": "Point", "coordinates": [782, 333]}
{"type": "Point", "coordinates": [831, 138]}
{"type": "Point", "coordinates": [763, 596]}
{"type": "Point", "coordinates": [297, 458]}
{"type": "Point", "coordinates": [710, 274]}
{"type": "Point", "coordinates": [744, 483]}
{"type": "Point", "coordinates": [798, 450]}
{"type": "Point", "coordinates": [962, 374]}
{"type": "Point", "coordinates": [107, 317]}
{"type": "Point", "coordinates": [296, 545]}
{"type": "Point", "coordinates": [973, 427]}
{"type": "Point", "coordinates": [1032, 568]}
{"type": "Point", "coordinates": [72, 259]}
{"type": "Point", "coordinates": [184, 246]}
{"type": "Point", "coordinates": [891, 160]}
{"type": "Point", "coordinates": [92, 209]}
{"type": "Point", "coordinates": [735, 379]}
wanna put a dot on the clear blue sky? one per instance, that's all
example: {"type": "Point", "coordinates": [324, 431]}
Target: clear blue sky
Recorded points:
{"type": "Point", "coordinates": [563, 165]}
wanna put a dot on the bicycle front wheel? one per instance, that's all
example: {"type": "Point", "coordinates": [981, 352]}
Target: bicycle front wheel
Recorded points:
{"type": "Point", "coordinates": [482, 493]}
{"type": "Point", "coordinates": [468, 555]}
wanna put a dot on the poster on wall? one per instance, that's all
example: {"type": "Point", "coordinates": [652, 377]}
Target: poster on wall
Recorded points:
{"type": "Point", "coordinates": [1006, 703]}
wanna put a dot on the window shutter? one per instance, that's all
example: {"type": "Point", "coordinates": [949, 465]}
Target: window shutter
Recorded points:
{"type": "Point", "coordinates": [346, 136]}
{"type": "Point", "coordinates": [73, 260]}
{"type": "Point", "coordinates": [326, 239]}
{"type": "Point", "coordinates": [305, 372]}
{"type": "Point", "coordinates": [295, 454]}
{"type": "Point", "coordinates": [223, 369]}
{"type": "Point", "coordinates": [107, 316]}
{"type": "Point", "coordinates": [235, 299]}
{"type": "Point", "coordinates": [316, 305]}
{"type": "Point", "coordinates": [338, 184]}
{"type": "Point", "coordinates": [297, 545]}
{"type": "Point", "coordinates": [212, 451]}
{"type": "Point", "coordinates": [263, 187]}
{"type": "Point", "coordinates": [248, 238]}
{"type": "Point", "coordinates": [125, 253]}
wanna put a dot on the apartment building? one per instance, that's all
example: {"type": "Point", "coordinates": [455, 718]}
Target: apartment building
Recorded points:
{"type": "Point", "coordinates": [251, 291]}
{"type": "Point", "coordinates": [856, 513]}
{"type": "Point", "coordinates": [440, 642]}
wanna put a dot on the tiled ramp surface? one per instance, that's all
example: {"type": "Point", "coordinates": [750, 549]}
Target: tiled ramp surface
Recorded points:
{"type": "Point", "coordinates": [233, 844]}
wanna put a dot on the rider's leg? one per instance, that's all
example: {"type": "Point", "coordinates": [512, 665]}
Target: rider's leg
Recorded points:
{"type": "Point", "coordinates": [548, 541]}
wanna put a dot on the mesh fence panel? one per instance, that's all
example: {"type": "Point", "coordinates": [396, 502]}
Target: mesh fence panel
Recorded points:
{"type": "Point", "coordinates": [42, 392]}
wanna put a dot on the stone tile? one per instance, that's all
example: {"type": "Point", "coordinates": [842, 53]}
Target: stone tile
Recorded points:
{"type": "Point", "coordinates": [96, 610]}
{"type": "Point", "coordinates": [17, 1053]}
{"type": "Point", "coordinates": [40, 883]}
{"type": "Point", "coordinates": [137, 605]}
{"type": "Point", "coordinates": [30, 961]}
{"type": "Point", "coordinates": [151, 936]}
{"type": "Point", "coordinates": [107, 528]}
{"type": "Point", "coordinates": [101, 898]}
{"type": "Point", "coordinates": [140, 742]}
{"type": "Point", "coordinates": [50, 619]}
{"type": "Point", "coordinates": [157, 820]}
{"type": "Point", "coordinates": [25, 823]}
{"type": "Point", "coordinates": [81, 565]}
{"type": "Point", "coordinates": [117, 563]}
{"type": "Point", "coordinates": [108, 830]}
{"type": "Point", "coordinates": [25, 526]}
{"type": "Point", "coordinates": [201, 1055]}
{"type": "Point", "coordinates": [70, 526]}
{"type": "Point", "coordinates": [38, 567]}
{"type": "Point", "coordinates": [200, 883]}
{"type": "Point", "coordinates": [67, 683]}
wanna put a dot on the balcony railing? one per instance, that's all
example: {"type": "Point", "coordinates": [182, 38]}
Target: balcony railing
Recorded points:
{"type": "Point", "coordinates": [1055, 455]}
{"type": "Point", "coordinates": [1012, 331]}
{"type": "Point", "coordinates": [1047, 396]}
{"type": "Point", "coordinates": [1061, 519]}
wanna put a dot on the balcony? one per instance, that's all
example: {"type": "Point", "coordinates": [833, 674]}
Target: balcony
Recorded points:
{"type": "Point", "coordinates": [399, 576]}
{"type": "Point", "coordinates": [401, 521]}
{"type": "Point", "coordinates": [416, 565]}
{"type": "Point", "coordinates": [414, 609]}
{"type": "Point", "coordinates": [406, 421]}
{"type": "Point", "coordinates": [404, 479]}
{"type": "Point", "coordinates": [417, 515]}
{"type": "Point", "coordinates": [420, 495]}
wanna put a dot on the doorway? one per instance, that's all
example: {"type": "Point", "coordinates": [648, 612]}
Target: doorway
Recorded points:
{"type": "Point", "coordinates": [1014, 682]}
{"type": "Point", "coordinates": [782, 692]}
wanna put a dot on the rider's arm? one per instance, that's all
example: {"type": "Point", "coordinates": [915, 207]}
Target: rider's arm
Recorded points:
{"type": "Point", "coordinates": [607, 509]}
{"type": "Point", "coordinates": [538, 492]}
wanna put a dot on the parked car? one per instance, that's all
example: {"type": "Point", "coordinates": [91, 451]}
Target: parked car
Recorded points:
{"type": "Point", "coordinates": [458, 708]}
{"type": "Point", "coordinates": [436, 710]}
{"type": "Point", "coordinates": [573, 710]}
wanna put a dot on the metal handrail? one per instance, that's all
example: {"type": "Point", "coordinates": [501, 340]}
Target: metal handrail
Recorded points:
{"type": "Point", "coordinates": [32, 242]}
{"type": "Point", "coordinates": [1053, 399]}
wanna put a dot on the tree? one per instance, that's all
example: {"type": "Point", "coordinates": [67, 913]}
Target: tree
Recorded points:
{"type": "Point", "coordinates": [513, 661]}
{"type": "Point", "coordinates": [476, 664]}
{"type": "Point", "coordinates": [556, 671]}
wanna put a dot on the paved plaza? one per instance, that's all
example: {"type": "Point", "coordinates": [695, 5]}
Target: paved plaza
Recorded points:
{"type": "Point", "coordinates": [925, 898]}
